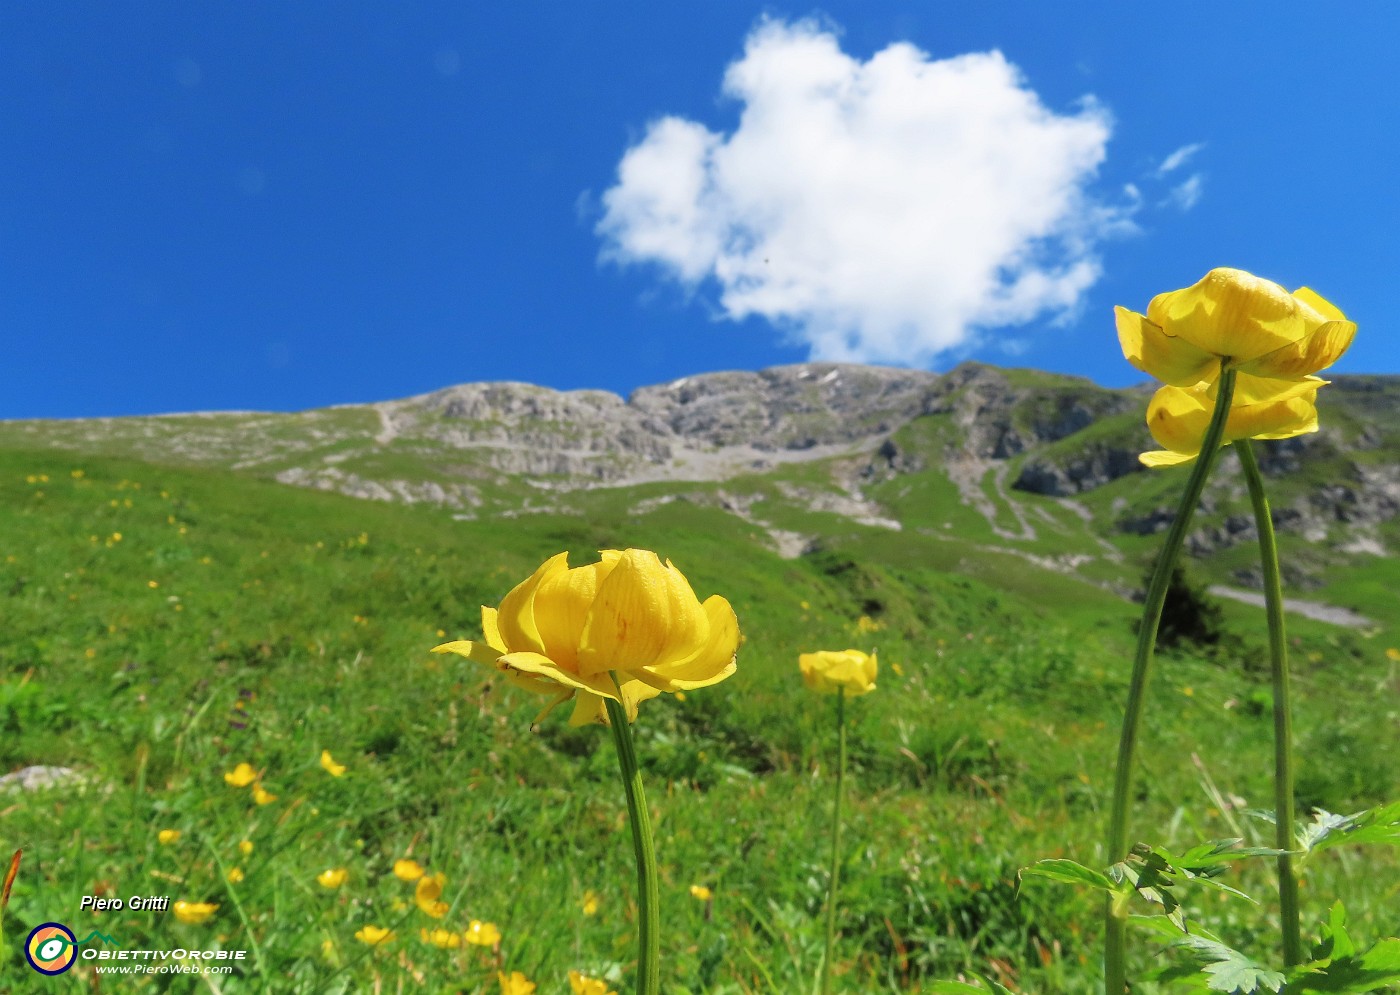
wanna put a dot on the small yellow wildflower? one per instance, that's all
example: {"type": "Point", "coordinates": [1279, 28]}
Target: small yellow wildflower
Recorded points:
{"type": "Point", "coordinates": [1392, 654]}
{"type": "Point", "coordinates": [833, 672]}
{"type": "Point", "coordinates": [428, 894]}
{"type": "Point", "coordinates": [332, 877]}
{"type": "Point", "coordinates": [584, 985]}
{"type": "Point", "coordinates": [515, 983]}
{"type": "Point", "coordinates": [234, 875]}
{"type": "Point", "coordinates": [590, 903]}
{"type": "Point", "coordinates": [167, 836]}
{"type": "Point", "coordinates": [375, 935]}
{"type": "Point", "coordinates": [700, 893]}
{"type": "Point", "coordinates": [331, 767]}
{"type": "Point", "coordinates": [245, 847]}
{"type": "Point", "coordinates": [194, 913]}
{"type": "Point", "coordinates": [443, 939]}
{"type": "Point", "coordinates": [407, 870]}
{"type": "Point", "coordinates": [241, 776]}
{"type": "Point", "coordinates": [482, 934]}
{"type": "Point", "coordinates": [262, 796]}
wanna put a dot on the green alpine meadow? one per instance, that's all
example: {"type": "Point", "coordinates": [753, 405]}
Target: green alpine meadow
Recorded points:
{"type": "Point", "coordinates": [218, 689]}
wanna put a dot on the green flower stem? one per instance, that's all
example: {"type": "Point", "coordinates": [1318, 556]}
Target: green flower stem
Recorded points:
{"type": "Point", "coordinates": [1116, 909]}
{"type": "Point", "coordinates": [1283, 718]}
{"type": "Point", "coordinates": [835, 841]}
{"type": "Point", "coordinates": [648, 889]}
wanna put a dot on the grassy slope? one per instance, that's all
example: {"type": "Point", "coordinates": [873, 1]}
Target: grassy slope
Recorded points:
{"type": "Point", "coordinates": [237, 620]}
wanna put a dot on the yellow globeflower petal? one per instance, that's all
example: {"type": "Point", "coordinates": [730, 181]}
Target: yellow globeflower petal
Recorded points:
{"type": "Point", "coordinates": [477, 651]}
{"type": "Point", "coordinates": [515, 619]}
{"type": "Point", "coordinates": [711, 662]}
{"type": "Point", "coordinates": [833, 672]}
{"type": "Point", "coordinates": [589, 904]}
{"type": "Point", "coordinates": [331, 767]}
{"type": "Point", "coordinates": [262, 796]}
{"type": "Point", "coordinates": [194, 913]}
{"type": "Point", "coordinates": [245, 847]}
{"type": "Point", "coordinates": [700, 893]}
{"type": "Point", "coordinates": [1231, 313]}
{"type": "Point", "coordinates": [241, 776]}
{"type": "Point", "coordinates": [1315, 351]}
{"type": "Point", "coordinates": [407, 870]}
{"type": "Point", "coordinates": [645, 615]}
{"type": "Point", "coordinates": [332, 878]}
{"type": "Point", "coordinates": [167, 836]}
{"type": "Point", "coordinates": [561, 609]}
{"type": "Point", "coordinates": [234, 875]}
{"type": "Point", "coordinates": [482, 934]}
{"type": "Point", "coordinates": [1169, 358]}
{"type": "Point", "coordinates": [375, 935]}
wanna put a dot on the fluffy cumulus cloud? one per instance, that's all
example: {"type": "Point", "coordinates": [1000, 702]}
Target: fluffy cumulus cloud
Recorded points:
{"type": "Point", "coordinates": [888, 210]}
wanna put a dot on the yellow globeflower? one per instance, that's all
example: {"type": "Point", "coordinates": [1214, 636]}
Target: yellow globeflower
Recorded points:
{"type": "Point", "coordinates": [234, 875]}
{"type": "Point", "coordinates": [1272, 339]}
{"type": "Point", "coordinates": [700, 893]}
{"type": "Point", "coordinates": [1261, 409]}
{"type": "Point", "coordinates": [262, 796]}
{"type": "Point", "coordinates": [584, 985]}
{"type": "Point", "coordinates": [515, 983]}
{"type": "Point", "coordinates": [1233, 317]}
{"type": "Point", "coordinates": [407, 870]}
{"type": "Point", "coordinates": [332, 878]}
{"type": "Point", "coordinates": [831, 671]}
{"type": "Point", "coordinates": [332, 768]}
{"type": "Point", "coordinates": [241, 776]}
{"type": "Point", "coordinates": [167, 836]}
{"type": "Point", "coordinates": [245, 847]}
{"type": "Point", "coordinates": [194, 913]}
{"type": "Point", "coordinates": [482, 934]}
{"type": "Point", "coordinates": [426, 896]}
{"type": "Point", "coordinates": [590, 903]}
{"type": "Point", "coordinates": [443, 939]}
{"type": "Point", "coordinates": [375, 935]}
{"type": "Point", "coordinates": [626, 628]}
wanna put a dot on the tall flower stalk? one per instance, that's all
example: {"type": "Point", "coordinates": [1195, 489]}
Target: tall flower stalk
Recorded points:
{"type": "Point", "coordinates": [1115, 908]}
{"type": "Point", "coordinates": [648, 889]}
{"type": "Point", "coordinates": [1284, 831]}
{"type": "Point", "coordinates": [847, 673]}
{"type": "Point", "coordinates": [835, 883]}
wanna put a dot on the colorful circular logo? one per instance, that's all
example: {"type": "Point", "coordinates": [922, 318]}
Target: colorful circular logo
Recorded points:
{"type": "Point", "coordinates": [51, 948]}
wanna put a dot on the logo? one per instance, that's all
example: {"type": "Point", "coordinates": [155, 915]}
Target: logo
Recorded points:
{"type": "Point", "coordinates": [51, 948]}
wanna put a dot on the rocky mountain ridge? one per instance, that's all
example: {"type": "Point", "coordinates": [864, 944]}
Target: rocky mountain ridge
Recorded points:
{"type": "Point", "coordinates": [507, 448]}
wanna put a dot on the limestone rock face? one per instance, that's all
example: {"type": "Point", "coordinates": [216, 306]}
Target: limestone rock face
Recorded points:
{"type": "Point", "coordinates": [506, 448]}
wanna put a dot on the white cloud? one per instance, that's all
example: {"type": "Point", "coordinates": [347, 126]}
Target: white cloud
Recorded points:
{"type": "Point", "coordinates": [1185, 195]}
{"type": "Point", "coordinates": [1178, 158]}
{"type": "Point", "coordinates": [882, 211]}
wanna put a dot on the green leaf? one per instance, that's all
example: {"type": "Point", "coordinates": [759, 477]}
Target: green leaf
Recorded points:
{"type": "Point", "coordinates": [1071, 872]}
{"type": "Point", "coordinates": [1377, 825]}
{"type": "Point", "coordinates": [1377, 967]}
{"type": "Point", "coordinates": [1228, 970]}
{"type": "Point", "coordinates": [959, 988]}
{"type": "Point", "coordinates": [1164, 927]}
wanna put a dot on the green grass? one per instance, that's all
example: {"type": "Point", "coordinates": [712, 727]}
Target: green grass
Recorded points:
{"type": "Point", "coordinates": [236, 620]}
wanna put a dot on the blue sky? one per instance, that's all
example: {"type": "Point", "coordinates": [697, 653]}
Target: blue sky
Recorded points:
{"type": "Point", "coordinates": [284, 206]}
